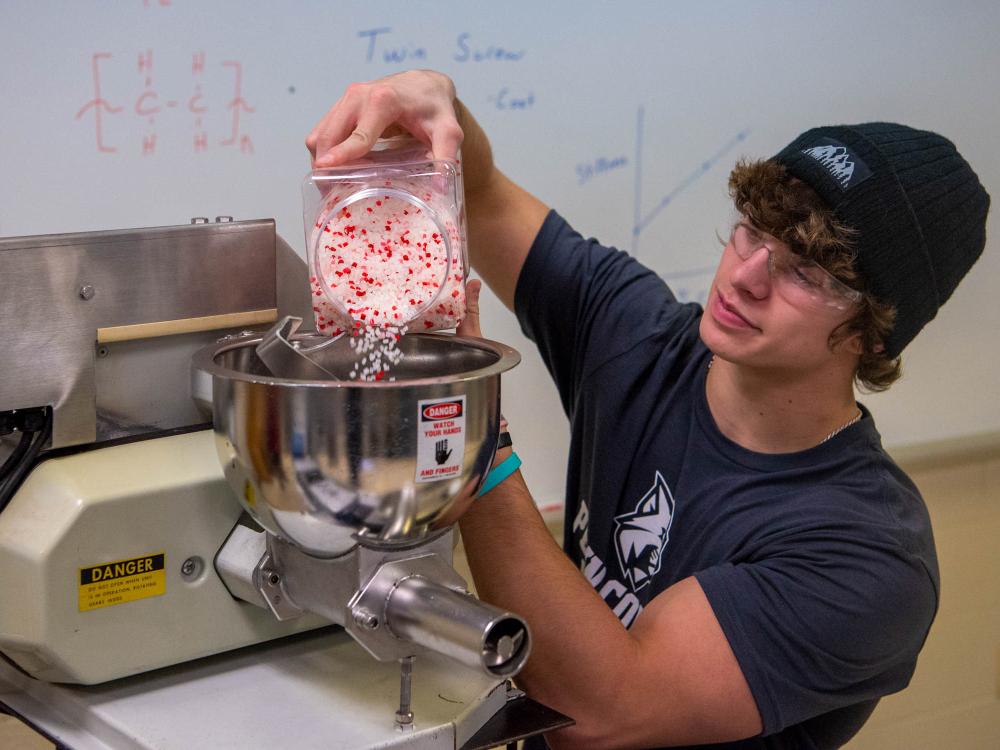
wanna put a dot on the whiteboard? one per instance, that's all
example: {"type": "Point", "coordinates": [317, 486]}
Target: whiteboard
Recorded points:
{"type": "Point", "coordinates": [626, 117]}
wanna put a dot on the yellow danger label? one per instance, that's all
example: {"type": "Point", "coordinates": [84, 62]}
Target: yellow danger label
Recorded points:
{"type": "Point", "coordinates": [123, 581]}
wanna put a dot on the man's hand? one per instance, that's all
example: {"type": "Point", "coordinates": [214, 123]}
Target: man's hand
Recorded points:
{"type": "Point", "coordinates": [418, 101]}
{"type": "Point", "coordinates": [503, 219]}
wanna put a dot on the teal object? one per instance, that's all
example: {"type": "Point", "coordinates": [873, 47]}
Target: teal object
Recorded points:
{"type": "Point", "coordinates": [500, 472]}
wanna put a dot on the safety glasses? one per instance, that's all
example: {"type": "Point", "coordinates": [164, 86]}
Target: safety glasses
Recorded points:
{"type": "Point", "coordinates": [799, 280]}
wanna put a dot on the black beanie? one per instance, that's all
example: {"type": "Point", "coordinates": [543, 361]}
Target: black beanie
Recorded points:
{"type": "Point", "coordinates": [918, 208]}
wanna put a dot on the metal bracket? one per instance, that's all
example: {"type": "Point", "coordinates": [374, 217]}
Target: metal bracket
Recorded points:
{"type": "Point", "coordinates": [270, 583]}
{"type": "Point", "coordinates": [365, 612]}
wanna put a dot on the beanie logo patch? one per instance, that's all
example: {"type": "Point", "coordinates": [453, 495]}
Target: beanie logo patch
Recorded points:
{"type": "Point", "coordinates": [843, 164]}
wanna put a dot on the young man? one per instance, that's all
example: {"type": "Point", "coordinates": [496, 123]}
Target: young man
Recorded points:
{"type": "Point", "coordinates": [744, 564]}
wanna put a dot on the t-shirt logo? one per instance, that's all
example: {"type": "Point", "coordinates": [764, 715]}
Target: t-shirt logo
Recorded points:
{"type": "Point", "coordinates": [641, 536]}
{"type": "Point", "coordinates": [843, 164]}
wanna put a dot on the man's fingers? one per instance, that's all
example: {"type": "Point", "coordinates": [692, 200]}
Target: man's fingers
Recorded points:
{"type": "Point", "coordinates": [355, 143]}
{"type": "Point", "coordinates": [334, 128]}
{"type": "Point", "coordinates": [446, 138]}
{"type": "Point", "coordinates": [334, 125]}
{"type": "Point", "coordinates": [351, 128]}
{"type": "Point", "coordinates": [358, 143]}
{"type": "Point", "coordinates": [470, 326]}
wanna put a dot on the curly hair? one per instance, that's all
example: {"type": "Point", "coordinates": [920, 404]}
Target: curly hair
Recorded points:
{"type": "Point", "coordinates": [788, 209]}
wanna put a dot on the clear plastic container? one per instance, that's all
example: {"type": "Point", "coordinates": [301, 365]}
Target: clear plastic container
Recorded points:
{"type": "Point", "coordinates": [385, 239]}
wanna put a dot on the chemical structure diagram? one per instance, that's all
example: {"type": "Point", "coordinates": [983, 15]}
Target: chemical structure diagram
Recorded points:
{"type": "Point", "coordinates": [148, 106]}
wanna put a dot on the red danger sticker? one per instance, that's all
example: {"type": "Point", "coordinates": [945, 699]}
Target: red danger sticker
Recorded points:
{"type": "Point", "coordinates": [440, 439]}
{"type": "Point", "coordinates": [445, 410]}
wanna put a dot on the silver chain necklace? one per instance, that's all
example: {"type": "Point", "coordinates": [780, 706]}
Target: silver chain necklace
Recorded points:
{"type": "Point", "coordinates": [856, 418]}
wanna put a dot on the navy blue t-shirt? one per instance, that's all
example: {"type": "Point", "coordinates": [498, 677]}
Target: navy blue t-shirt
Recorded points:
{"type": "Point", "coordinates": [819, 565]}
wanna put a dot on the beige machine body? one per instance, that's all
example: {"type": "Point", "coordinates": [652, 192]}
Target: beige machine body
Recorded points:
{"type": "Point", "coordinates": [144, 519]}
{"type": "Point", "coordinates": [100, 328]}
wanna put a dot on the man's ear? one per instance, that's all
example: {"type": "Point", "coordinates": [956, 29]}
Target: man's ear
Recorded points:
{"type": "Point", "coordinates": [853, 345]}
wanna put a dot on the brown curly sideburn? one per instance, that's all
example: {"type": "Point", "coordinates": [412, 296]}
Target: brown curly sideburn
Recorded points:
{"type": "Point", "coordinates": [788, 209]}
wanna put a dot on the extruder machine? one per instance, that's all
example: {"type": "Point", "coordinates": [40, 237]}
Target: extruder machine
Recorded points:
{"type": "Point", "coordinates": [210, 535]}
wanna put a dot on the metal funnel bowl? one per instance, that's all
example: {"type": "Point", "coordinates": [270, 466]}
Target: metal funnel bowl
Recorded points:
{"type": "Point", "coordinates": [327, 464]}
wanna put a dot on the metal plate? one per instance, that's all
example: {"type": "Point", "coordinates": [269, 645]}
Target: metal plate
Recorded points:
{"type": "Point", "coordinates": [57, 290]}
{"type": "Point", "coordinates": [315, 691]}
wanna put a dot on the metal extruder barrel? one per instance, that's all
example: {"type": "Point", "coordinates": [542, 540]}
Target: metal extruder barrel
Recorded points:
{"type": "Point", "coordinates": [457, 625]}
